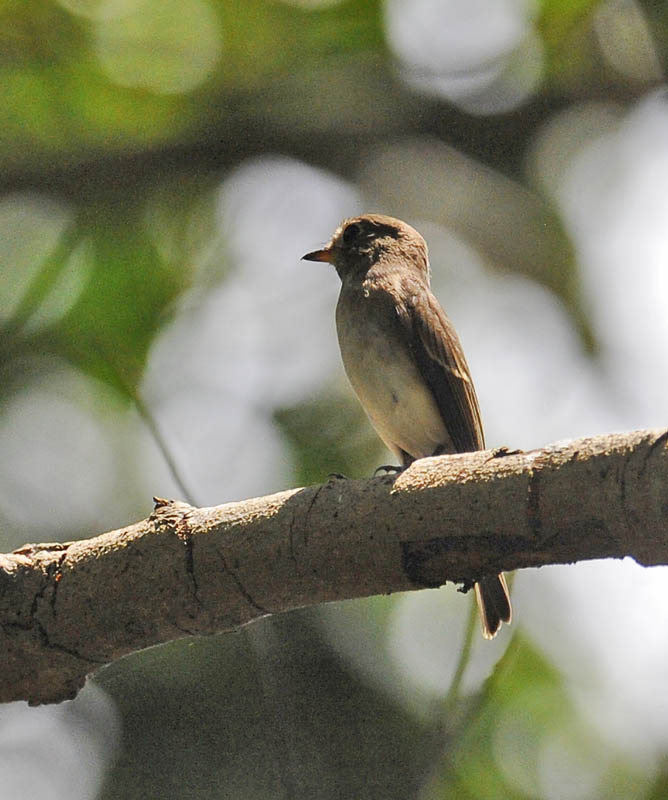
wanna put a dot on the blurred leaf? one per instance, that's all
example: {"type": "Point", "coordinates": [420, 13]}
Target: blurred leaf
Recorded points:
{"type": "Point", "coordinates": [264, 37]}
{"type": "Point", "coordinates": [558, 18]}
{"type": "Point", "coordinates": [524, 724]}
{"type": "Point", "coordinates": [329, 434]}
{"type": "Point", "coordinates": [109, 330]}
{"type": "Point", "coordinates": [56, 102]}
{"type": "Point", "coordinates": [572, 57]}
{"type": "Point", "coordinates": [659, 790]}
{"type": "Point", "coordinates": [471, 770]}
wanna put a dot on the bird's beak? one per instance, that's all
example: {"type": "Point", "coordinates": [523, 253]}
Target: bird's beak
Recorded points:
{"type": "Point", "coordinates": [319, 255]}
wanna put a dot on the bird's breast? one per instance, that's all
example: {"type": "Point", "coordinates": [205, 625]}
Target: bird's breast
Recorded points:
{"type": "Point", "coordinates": [386, 379]}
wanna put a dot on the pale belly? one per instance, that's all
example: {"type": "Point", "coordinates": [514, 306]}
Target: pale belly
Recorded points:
{"type": "Point", "coordinates": [389, 386]}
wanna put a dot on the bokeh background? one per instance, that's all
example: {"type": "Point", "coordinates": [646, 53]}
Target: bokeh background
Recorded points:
{"type": "Point", "coordinates": [164, 165]}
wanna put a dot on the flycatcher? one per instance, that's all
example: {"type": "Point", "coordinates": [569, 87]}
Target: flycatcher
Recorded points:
{"type": "Point", "coordinates": [403, 357]}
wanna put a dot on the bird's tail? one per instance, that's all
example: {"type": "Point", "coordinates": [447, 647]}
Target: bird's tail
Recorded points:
{"type": "Point", "coordinates": [493, 604]}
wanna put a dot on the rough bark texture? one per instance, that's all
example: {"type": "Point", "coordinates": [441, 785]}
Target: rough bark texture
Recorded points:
{"type": "Point", "coordinates": [66, 609]}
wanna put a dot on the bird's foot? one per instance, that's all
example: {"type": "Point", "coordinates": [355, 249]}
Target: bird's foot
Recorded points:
{"type": "Point", "coordinates": [502, 452]}
{"type": "Point", "coordinates": [337, 476]}
{"type": "Point", "coordinates": [388, 468]}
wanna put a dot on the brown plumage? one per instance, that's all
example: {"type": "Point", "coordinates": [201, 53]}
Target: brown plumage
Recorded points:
{"type": "Point", "coordinates": [403, 357]}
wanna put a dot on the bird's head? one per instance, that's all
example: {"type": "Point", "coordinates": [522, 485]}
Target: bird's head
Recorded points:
{"type": "Point", "coordinates": [360, 243]}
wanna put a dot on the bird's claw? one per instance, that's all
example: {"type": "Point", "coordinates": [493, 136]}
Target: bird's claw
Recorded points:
{"type": "Point", "coordinates": [502, 452]}
{"type": "Point", "coordinates": [388, 468]}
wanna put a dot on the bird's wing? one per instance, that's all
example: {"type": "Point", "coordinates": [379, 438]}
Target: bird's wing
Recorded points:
{"type": "Point", "coordinates": [440, 358]}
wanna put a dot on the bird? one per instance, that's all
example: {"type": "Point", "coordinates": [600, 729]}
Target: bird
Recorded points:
{"type": "Point", "coordinates": [403, 357]}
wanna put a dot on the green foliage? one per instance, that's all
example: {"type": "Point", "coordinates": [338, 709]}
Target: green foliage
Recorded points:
{"type": "Point", "coordinates": [329, 434]}
{"type": "Point", "coordinates": [125, 266]}
{"type": "Point", "coordinates": [522, 725]}
{"type": "Point", "coordinates": [57, 103]}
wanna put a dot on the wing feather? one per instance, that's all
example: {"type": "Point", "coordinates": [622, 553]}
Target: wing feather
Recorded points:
{"type": "Point", "coordinates": [440, 358]}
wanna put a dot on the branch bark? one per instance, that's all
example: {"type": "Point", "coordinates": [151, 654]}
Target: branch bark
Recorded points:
{"type": "Point", "coordinates": [66, 609]}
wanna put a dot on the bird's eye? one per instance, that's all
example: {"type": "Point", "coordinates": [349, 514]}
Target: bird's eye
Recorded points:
{"type": "Point", "coordinates": [350, 233]}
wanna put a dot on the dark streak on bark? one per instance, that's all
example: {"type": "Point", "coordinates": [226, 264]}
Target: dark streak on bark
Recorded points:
{"type": "Point", "coordinates": [533, 503]}
{"type": "Point", "coordinates": [242, 590]}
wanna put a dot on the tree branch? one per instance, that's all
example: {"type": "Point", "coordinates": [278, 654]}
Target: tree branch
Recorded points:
{"type": "Point", "coordinates": [66, 609]}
